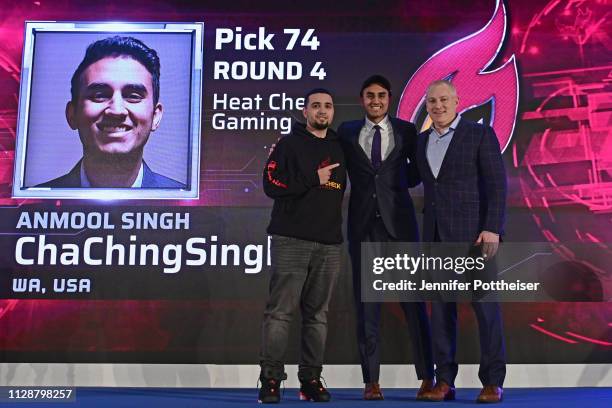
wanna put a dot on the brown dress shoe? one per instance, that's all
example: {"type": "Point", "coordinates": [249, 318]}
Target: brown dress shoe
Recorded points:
{"type": "Point", "coordinates": [372, 392]}
{"type": "Point", "coordinates": [440, 392]}
{"type": "Point", "coordinates": [490, 393]}
{"type": "Point", "coordinates": [426, 386]}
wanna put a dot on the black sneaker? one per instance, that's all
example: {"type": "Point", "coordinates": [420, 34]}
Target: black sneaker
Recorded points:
{"type": "Point", "coordinates": [269, 392]}
{"type": "Point", "coordinates": [313, 390]}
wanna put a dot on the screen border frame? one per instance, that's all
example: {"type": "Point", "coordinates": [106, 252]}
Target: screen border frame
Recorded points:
{"type": "Point", "coordinates": [191, 191]}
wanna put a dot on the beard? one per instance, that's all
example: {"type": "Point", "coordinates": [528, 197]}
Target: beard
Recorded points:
{"type": "Point", "coordinates": [320, 125]}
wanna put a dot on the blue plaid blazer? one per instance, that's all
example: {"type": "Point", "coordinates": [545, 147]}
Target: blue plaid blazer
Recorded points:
{"type": "Point", "coordinates": [469, 194]}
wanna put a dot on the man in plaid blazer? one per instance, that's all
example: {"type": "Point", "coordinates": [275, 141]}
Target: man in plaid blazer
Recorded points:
{"type": "Point", "coordinates": [464, 181]}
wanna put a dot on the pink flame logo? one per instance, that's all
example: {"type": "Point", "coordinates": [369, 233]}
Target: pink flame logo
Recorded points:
{"type": "Point", "coordinates": [464, 62]}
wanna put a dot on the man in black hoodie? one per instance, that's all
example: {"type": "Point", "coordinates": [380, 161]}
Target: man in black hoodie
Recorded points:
{"type": "Point", "coordinates": [306, 177]}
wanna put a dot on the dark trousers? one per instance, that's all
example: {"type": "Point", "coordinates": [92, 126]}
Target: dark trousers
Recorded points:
{"type": "Point", "coordinates": [304, 274]}
{"type": "Point", "coordinates": [492, 370]}
{"type": "Point", "coordinates": [368, 318]}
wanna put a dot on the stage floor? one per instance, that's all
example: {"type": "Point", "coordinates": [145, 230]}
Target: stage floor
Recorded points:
{"type": "Point", "coordinates": [235, 398]}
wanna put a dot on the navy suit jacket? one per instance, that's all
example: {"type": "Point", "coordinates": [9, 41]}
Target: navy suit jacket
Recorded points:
{"type": "Point", "coordinates": [150, 179]}
{"type": "Point", "coordinates": [385, 189]}
{"type": "Point", "coordinates": [469, 194]}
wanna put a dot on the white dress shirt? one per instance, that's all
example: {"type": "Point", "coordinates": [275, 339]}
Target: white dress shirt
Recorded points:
{"type": "Point", "coordinates": [387, 142]}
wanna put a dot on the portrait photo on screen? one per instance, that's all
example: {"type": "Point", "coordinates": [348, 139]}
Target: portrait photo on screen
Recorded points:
{"type": "Point", "coordinates": [109, 111]}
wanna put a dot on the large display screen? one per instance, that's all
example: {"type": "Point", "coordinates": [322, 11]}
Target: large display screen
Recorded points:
{"type": "Point", "coordinates": [66, 147]}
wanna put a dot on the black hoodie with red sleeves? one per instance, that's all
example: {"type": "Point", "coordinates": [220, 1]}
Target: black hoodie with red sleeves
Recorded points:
{"type": "Point", "coordinates": [303, 208]}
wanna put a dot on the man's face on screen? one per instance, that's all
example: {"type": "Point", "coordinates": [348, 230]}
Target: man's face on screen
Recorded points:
{"type": "Point", "coordinates": [114, 113]}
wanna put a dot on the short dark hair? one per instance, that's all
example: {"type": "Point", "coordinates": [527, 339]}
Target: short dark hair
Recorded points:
{"type": "Point", "coordinates": [378, 80]}
{"type": "Point", "coordinates": [115, 47]}
{"type": "Point", "coordinates": [316, 91]}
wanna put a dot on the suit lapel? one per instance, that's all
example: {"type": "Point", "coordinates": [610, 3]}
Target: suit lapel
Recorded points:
{"type": "Point", "coordinates": [452, 147]}
{"type": "Point", "coordinates": [361, 154]}
{"type": "Point", "coordinates": [397, 147]}
{"type": "Point", "coordinates": [74, 176]}
{"type": "Point", "coordinates": [148, 178]}
{"type": "Point", "coordinates": [422, 147]}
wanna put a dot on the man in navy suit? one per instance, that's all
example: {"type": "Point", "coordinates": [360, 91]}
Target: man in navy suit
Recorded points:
{"type": "Point", "coordinates": [115, 107]}
{"type": "Point", "coordinates": [464, 180]}
{"type": "Point", "coordinates": [380, 154]}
